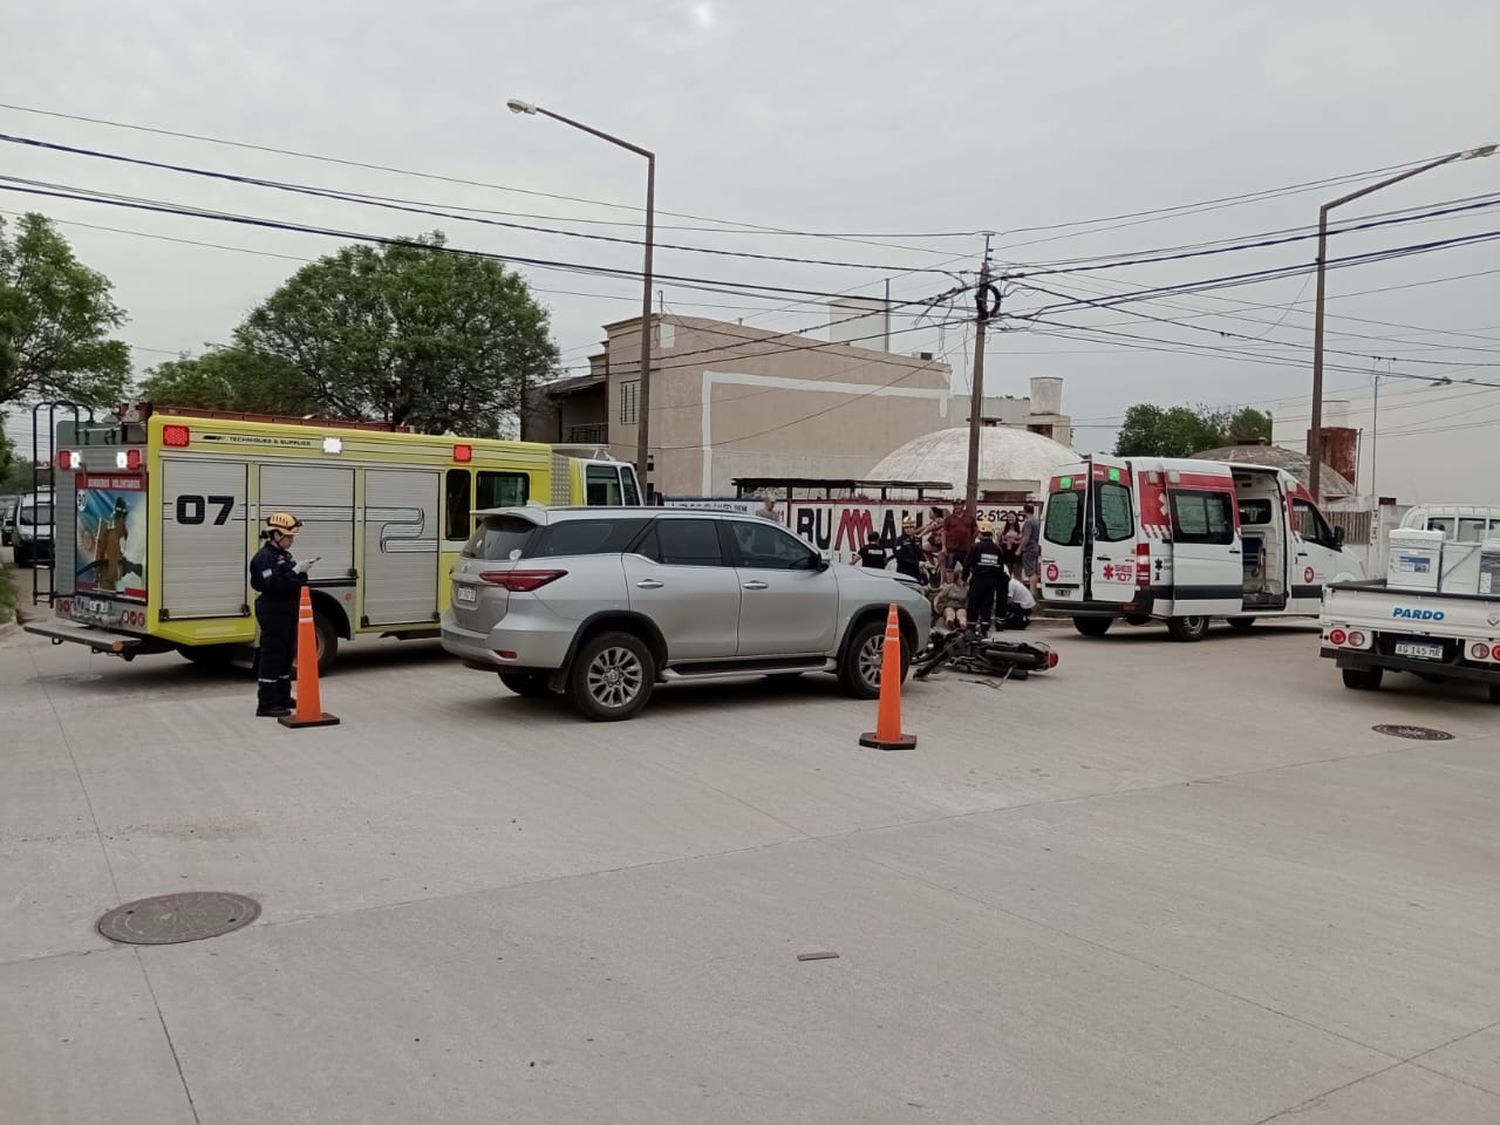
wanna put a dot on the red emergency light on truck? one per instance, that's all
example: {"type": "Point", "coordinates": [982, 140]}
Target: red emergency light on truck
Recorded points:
{"type": "Point", "coordinates": [1184, 541]}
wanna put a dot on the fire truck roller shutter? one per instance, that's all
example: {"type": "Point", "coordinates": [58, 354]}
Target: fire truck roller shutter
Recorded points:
{"type": "Point", "coordinates": [322, 497]}
{"type": "Point", "coordinates": [401, 534]}
{"type": "Point", "coordinates": [204, 544]}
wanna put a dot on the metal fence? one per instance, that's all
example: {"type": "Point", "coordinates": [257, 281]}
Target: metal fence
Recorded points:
{"type": "Point", "coordinates": [1356, 525]}
{"type": "Point", "coordinates": [595, 433]}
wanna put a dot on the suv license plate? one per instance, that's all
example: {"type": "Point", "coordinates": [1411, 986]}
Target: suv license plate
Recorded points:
{"type": "Point", "coordinates": [1419, 650]}
{"type": "Point", "coordinates": [464, 594]}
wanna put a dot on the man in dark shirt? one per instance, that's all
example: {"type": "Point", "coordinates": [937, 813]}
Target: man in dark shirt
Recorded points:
{"type": "Point", "coordinates": [959, 530]}
{"type": "Point", "coordinates": [909, 550]}
{"type": "Point", "coordinates": [872, 554]}
{"type": "Point", "coordinates": [988, 580]}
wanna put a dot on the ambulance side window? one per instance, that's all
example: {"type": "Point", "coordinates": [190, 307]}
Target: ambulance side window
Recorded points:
{"type": "Point", "coordinates": [1202, 517]}
{"type": "Point", "coordinates": [456, 493]}
{"type": "Point", "coordinates": [1311, 525]}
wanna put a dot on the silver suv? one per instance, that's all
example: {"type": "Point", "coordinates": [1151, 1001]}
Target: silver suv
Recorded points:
{"type": "Point", "coordinates": [605, 605]}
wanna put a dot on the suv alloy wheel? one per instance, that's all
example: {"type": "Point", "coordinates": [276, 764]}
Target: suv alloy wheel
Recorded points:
{"type": "Point", "coordinates": [612, 677]}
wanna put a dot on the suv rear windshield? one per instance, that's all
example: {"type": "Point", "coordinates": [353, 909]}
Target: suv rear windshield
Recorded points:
{"type": "Point", "coordinates": [498, 537]}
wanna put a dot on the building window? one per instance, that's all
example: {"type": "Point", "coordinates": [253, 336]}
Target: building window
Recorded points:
{"type": "Point", "coordinates": [629, 403]}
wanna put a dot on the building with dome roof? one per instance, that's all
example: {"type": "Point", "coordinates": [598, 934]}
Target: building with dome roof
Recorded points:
{"type": "Point", "coordinates": [1014, 464]}
{"type": "Point", "coordinates": [1333, 484]}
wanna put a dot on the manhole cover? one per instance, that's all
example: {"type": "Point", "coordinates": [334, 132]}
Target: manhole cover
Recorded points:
{"type": "Point", "coordinates": [169, 919]}
{"type": "Point", "coordinates": [1421, 734]}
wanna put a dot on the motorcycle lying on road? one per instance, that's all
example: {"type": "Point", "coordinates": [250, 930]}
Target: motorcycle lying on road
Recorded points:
{"type": "Point", "coordinates": [966, 651]}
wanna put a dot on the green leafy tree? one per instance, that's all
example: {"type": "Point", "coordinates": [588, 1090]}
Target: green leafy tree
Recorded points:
{"type": "Point", "coordinates": [1181, 431]}
{"type": "Point", "coordinates": [409, 335]}
{"type": "Point", "coordinates": [56, 316]}
{"type": "Point", "coordinates": [230, 379]}
{"type": "Point", "coordinates": [1249, 426]}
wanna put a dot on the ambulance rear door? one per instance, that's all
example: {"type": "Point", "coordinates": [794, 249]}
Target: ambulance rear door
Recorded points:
{"type": "Point", "coordinates": [1110, 536]}
{"type": "Point", "coordinates": [1063, 523]}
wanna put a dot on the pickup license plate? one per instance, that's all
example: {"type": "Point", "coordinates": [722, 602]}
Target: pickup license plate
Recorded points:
{"type": "Point", "coordinates": [464, 594]}
{"type": "Point", "coordinates": [1419, 650]}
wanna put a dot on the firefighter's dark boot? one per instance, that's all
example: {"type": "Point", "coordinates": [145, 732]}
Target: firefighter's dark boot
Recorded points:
{"type": "Point", "coordinates": [268, 701]}
{"type": "Point", "coordinates": [284, 694]}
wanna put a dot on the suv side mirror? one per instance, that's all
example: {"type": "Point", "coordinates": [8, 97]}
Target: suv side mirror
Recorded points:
{"type": "Point", "coordinates": [1338, 538]}
{"type": "Point", "coordinates": [821, 564]}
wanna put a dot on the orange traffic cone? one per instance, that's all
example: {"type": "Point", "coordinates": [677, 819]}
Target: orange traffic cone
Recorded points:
{"type": "Point", "coordinates": [309, 711]}
{"type": "Point", "coordinates": [887, 734]}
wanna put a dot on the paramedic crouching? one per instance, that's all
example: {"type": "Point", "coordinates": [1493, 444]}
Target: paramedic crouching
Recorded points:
{"type": "Point", "coordinates": [278, 579]}
{"type": "Point", "coordinates": [1016, 614]}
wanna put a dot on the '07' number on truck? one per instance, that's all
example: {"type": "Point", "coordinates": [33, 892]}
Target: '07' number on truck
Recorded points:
{"type": "Point", "coordinates": [194, 509]}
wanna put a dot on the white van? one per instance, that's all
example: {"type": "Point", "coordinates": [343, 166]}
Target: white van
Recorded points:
{"type": "Point", "coordinates": [1459, 523]}
{"type": "Point", "coordinates": [1465, 528]}
{"type": "Point", "coordinates": [1184, 541]}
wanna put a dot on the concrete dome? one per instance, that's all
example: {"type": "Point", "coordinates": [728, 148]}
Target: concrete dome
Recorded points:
{"type": "Point", "coordinates": [1332, 483]}
{"type": "Point", "coordinates": [1005, 454]}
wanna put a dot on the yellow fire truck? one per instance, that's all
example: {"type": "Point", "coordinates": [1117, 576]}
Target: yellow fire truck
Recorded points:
{"type": "Point", "coordinates": [157, 514]}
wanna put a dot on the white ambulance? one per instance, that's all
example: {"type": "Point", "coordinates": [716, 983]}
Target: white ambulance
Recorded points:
{"type": "Point", "coordinates": [1184, 541]}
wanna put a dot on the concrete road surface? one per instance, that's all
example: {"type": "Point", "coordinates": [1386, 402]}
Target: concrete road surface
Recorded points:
{"type": "Point", "coordinates": [1165, 883]}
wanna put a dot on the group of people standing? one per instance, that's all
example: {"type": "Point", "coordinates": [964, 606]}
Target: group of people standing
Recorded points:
{"type": "Point", "coordinates": [976, 578]}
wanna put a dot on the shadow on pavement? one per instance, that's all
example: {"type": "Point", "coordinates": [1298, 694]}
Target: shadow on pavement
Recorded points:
{"type": "Point", "coordinates": [494, 702]}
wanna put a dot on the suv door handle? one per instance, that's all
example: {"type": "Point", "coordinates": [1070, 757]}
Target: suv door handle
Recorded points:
{"type": "Point", "coordinates": [649, 584]}
{"type": "Point", "coordinates": [756, 584]}
{"type": "Point", "coordinates": [1234, 550]}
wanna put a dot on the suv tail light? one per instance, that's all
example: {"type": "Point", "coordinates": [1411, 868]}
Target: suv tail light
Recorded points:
{"type": "Point", "coordinates": [520, 581]}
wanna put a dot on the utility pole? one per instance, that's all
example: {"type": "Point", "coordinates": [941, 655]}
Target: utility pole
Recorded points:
{"type": "Point", "coordinates": [1315, 434]}
{"type": "Point", "coordinates": [986, 305]}
{"type": "Point", "coordinates": [643, 399]}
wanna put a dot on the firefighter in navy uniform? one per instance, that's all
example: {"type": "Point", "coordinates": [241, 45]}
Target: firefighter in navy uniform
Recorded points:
{"type": "Point", "coordinates": [988, 580]}
{"type": "Point", "coordinates": [278, 579]}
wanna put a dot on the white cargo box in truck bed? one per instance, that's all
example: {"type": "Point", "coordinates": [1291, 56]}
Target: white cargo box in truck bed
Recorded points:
{"type": "Point", "coordinates": [1370, 628]}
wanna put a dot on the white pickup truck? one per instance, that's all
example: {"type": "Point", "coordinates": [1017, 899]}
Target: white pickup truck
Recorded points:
{"type": "Point", "coordinates": [1370, 628]}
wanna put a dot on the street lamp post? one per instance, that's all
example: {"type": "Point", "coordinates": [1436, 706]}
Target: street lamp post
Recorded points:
{"type": "Point", "coordinates": [643, 402]}
{"type": "Point", "coordinates": [1315, 435]}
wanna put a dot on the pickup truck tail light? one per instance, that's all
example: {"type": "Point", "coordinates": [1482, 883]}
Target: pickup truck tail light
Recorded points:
{"type": "Point", "coordinates": [1356, 639]}
{"type": "Point", "coordinates": [520, 581]}
{"type": "Point", "coordinates": [1338, 637]}
{"type": "Point", "coordinates": [1484, 650]}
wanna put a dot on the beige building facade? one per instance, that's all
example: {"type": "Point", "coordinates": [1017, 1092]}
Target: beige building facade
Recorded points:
{"type": "Point", "coordinates": [729, 401]}
{"type": "Point", "coordinates": [732, 401]}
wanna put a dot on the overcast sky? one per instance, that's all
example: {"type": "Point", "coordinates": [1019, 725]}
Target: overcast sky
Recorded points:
{"type": "Point", "coordinates": [868, 117]}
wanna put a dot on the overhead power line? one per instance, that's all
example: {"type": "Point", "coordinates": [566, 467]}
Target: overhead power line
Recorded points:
{"type": "Point", "coordinates": [24, 187]}
{"type": "Point", "coordinates": [419, 207]}
{"type": "Point", "coordinates": [1076, 225]}
{"type": "Point", "coordinates": [1225, 334]}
